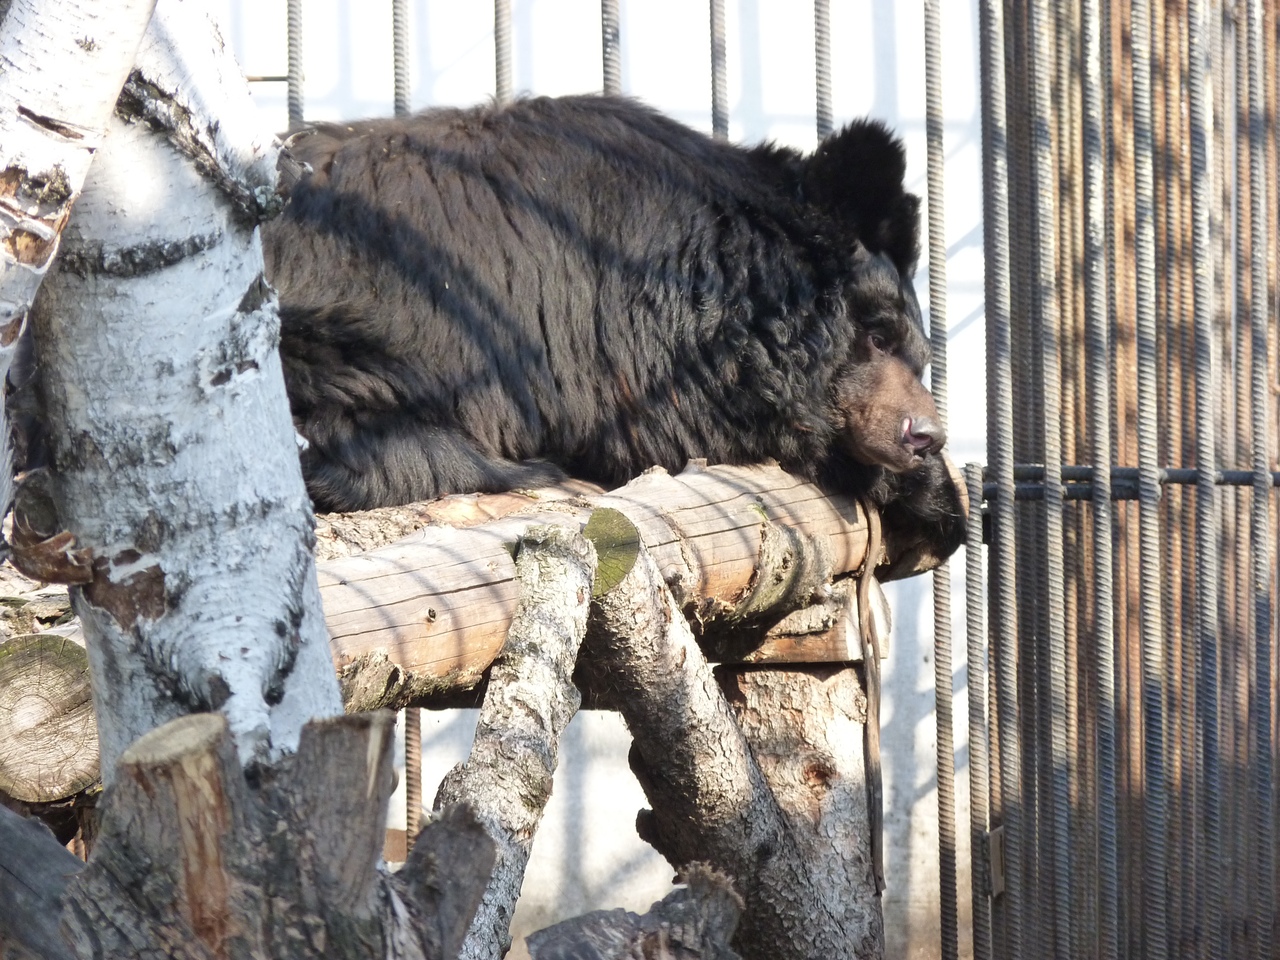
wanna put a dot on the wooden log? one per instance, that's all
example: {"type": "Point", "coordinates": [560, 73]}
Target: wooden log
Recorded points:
{"type": "Point", "coordinates": [174, 821]}
{"type": "Point", "coordinates": [421, 619]}
{"type": "Point", "coordinates": [530, 700]}
{"type": "Point", "coordinates": [34, 872]}
{"type": "Point", "coordinates": [429, 613]}
{"type": "Point", "coordinates": [711, 798]}
{"type": "Point", "coordinates": [48, 740]}
{"type": "Point", "coordinates": [199, 858]}
{"type": "Point", "coordinates": [695, 921]}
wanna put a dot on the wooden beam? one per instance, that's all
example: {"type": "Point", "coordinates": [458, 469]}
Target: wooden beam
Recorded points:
{"type": "Point", "coordinates": [428, 613]}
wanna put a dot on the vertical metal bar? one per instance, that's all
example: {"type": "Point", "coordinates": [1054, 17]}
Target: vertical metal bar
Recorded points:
{"type": "Point", "coordinates": [822, 61]}
{"type": "Point", "coordinates": [1210, 841]}
{"type": "Point", "coordinates": [1155, 925]}
{"type": "Point", "coordinates": [1208, 395]}
{"type": "Point", "coordinates": [1004, 604]}
{"type": "Point", "coordinates": [979, 752]}
{"type": "Point", "coordinates": [719, 74]}
{"type": "Point", "coordinates": [1048, 357]}
{"type": "Point", "coordinates": [611, 46]}
{"type": "Point", "coordinates": [294, 15]}
{"type": "Point", "coordinates": [1260, 522]}
{"type": "Point", "coordinates": [948, 909]}
{"type": "Point", "coordinates": [1236, 661]}
{"type": "Point", "coordinates": [1098, 351]}
{"type": "Point", "coordinates": [504, 87]}
{"type": "Point", "coordinates": [400, 53]}
{"type": "Point", "coordinates": [1034, 813]}
{"type": "Point", "coordinates": [412, 774]}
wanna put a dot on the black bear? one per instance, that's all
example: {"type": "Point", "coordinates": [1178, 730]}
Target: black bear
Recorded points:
{"type": "Point", "coordinates": [478, 299]}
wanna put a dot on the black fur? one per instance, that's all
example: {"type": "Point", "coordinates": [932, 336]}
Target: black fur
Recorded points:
{"type": "Point", "coordinates": [477, 300]}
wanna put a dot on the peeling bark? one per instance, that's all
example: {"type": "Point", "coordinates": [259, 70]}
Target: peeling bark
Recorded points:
{"type": "Point", "coordinates": [711, 799]}
{"type": "Point", "coordinates": [530, 700]}
{"type": "Point", "coordinates": [156, 341]}
{"type": "Point", "coordinates": [51, 124]}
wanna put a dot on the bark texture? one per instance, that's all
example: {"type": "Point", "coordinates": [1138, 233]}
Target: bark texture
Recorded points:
{"type": "Point", "coordinates": [52, 121]}
{"type": "Point", "coordinates": [696, 921]}
{"type": "Point", "coordinates": [805, 729]}
{"type": "Point", "coordinates": [530, 700]}
{"type": "Point", "coordinates": [34, 872]}
{"type": "Point", "coordinates": [196, 860]}
{"type": "Point", "coordinates": [737, 545]}
{"type": "Point", "coordinates": [173, 447]}
{"type": "Point", "coordinates": [711, 799]}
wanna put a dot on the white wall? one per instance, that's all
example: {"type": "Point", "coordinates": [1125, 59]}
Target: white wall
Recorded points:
{"type": "Point", "coordinates": [878, 69]}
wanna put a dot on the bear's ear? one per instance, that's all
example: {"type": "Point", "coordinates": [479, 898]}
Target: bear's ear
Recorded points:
{"type": "Point", "coordinates": [856, 174]}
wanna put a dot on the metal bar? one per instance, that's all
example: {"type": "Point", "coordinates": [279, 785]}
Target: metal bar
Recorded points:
{"type": "Point", "coordinates": [1208, 884]}
{"type": "Point", "coordinates": [1210, 896]}
{"type": "Point", "coordinates": [504, 88]}
{"type": "Point", "coordinates": [1235, 660]}
{"type": "Point", "coordinates": [412, 774]}
{"type": "Point", "coordinates": [822, 61]}
{"type": "Point", "coordinates": [1262, 880]}
{"type": "Point", "coordinates": [948, 908]}
{"type": "Point", "coordinates": [1098, 354]}
{"type": "Point", "coordinates": [1053, 763]}
{"type": "Point", "coordinates": [995, 230]}
{"type": "Point", "coordinates": [719, 74]}
{"type": "Point", "coordinates": [1155, 926]}
{"type": "Point", "coordinates": [1183, 476]}
{"type": "Point", "coordinates": [400, 54]}
{"type": "Point", "coordinates": [979, 751]}
{"type": "Point", "coordinates": [294, 15]}
{"type": "Point", "coordinates": [611, 46]}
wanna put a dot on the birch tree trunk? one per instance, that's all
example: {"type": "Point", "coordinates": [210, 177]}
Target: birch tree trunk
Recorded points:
{"type": "Point", "coordinates": [62, 63]}
{"type": "Point", "coordinates": [174, 453]}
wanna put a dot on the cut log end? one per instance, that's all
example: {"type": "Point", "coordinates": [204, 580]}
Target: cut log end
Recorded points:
{"type": "Point", "coordinates": [48, 741]}
{"type": "Point", "coordinates": [177, 740]}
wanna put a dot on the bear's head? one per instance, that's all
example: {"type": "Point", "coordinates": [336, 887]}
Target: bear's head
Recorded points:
{"type": "Point", "coordinates": [855, 178]}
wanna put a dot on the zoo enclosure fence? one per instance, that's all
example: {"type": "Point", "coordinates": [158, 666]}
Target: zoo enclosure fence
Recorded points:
{"type": "Point", "coordinates": [1120, 567]}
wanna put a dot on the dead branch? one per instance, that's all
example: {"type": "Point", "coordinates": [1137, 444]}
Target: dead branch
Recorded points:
{"type": "Point", "coordinates": [711, 800]}
{"type": "Point", "coordinates": [696, 921]}
{"type": "Point", "coordinates": [530, 700]}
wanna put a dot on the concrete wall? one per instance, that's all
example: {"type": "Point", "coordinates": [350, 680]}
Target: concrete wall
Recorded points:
{"type": "Point", "coordinates": [587, 855]}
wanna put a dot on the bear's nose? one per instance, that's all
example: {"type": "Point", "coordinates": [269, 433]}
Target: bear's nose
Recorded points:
{"type": "Point", "coordinates": [923, 435]}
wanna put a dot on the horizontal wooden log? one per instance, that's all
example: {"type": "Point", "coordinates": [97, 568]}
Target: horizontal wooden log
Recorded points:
{"type": "Point", "coordinates": [420, 618]}
{"type": "Point", "coordinates": [428, 613]}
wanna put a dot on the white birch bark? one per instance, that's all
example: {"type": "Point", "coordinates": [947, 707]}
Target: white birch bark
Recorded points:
{"type": "Point", "coordinates": [62, 63]}
{"type": "Point", "coordinates": [174, 454]}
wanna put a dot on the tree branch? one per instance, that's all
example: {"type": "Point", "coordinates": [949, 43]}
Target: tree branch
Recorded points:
{"type": "Point", "coordinates": [711, 801]}
{"type": "Point", "coordinates": [530, 700]}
